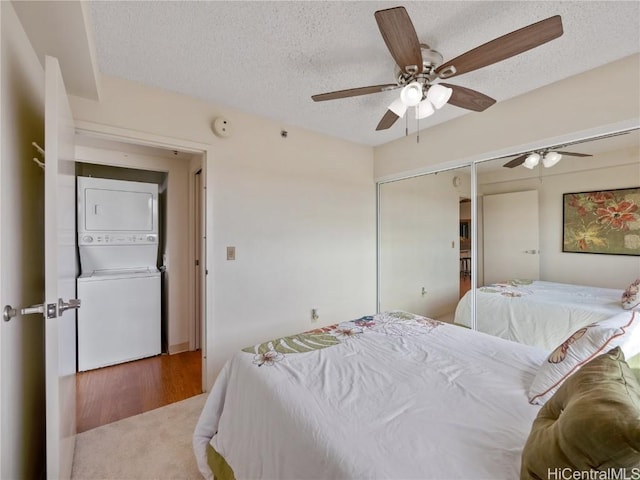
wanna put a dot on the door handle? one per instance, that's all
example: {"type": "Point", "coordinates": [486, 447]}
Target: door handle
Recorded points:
{"type": "Point", "coordinates": [8, 312]}
{"type": "Point", "coordinates": [74, 303]}
{"type": "Point", "coordinates": [532, 252]}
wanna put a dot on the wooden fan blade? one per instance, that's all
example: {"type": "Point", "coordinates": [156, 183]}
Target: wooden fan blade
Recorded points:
{"type": "Point", "coordinates": [516, 161]}
{"type": "Point", "coordinates": [470, 99]}
{"type": "Point", "coordinates": [387, 120]}
{"type": "Point", "coordinates": [504, 47]}
{"type": "Point", "coordinates": [573, 154]}
{"type": "Point", "coordinates": [400, 36]}
{"type": "Point", "coordinates": [353, 92]}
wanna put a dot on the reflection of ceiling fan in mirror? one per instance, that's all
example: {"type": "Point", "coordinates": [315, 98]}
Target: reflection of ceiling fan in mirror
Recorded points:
{"type": "Point", "coordinates": [551, 155]}
{"type": "Point", "coordinates": [419, 68]}
{"type": "Point", "coordinates": [549, 158]}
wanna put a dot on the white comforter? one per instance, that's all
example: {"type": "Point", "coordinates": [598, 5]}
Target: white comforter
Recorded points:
{"type": "Point", "coordinates": [538, 313]}
{"type": "Point", "coordinates": [399, 397]}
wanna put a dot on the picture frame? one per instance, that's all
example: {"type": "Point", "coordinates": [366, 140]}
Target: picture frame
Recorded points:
{"type": "Point", "coordinates": [602, 221]}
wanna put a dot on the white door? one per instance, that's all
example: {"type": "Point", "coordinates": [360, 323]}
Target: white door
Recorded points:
{"type": "Point", "coordinates": [511, 238]}
{"type": "Point", "coordinates": [59, 254]}
{"type": "Point", "coordinates": [199, 263]}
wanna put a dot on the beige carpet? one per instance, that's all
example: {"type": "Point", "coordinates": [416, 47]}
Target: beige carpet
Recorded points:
{"type": "Point", "coordinates": [152, 445]}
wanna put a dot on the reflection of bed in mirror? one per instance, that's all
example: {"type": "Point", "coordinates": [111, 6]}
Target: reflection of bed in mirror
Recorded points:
{"type": "Point", "coordinates": [537, 312]}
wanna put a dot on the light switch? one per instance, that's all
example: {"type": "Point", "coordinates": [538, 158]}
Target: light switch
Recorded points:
{"type": "Point", "coordinates": [231, 253]}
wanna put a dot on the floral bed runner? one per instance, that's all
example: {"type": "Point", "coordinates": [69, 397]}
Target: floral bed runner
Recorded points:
{"type": "Point", "coordinates": [396, 323]}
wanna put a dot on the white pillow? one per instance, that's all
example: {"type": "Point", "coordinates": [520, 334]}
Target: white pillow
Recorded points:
{"type": "Point", "coordinates": [585, 344]}
{"type": "Point", "coordinates": [631, 296]}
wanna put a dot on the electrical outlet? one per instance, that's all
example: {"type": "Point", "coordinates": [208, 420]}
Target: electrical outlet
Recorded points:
{"type": "Point", "coordinates": [314, 315]}
{"type": "Point", "coordinates": [231, 253]}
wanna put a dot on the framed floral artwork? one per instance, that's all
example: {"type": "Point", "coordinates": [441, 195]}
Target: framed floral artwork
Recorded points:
{"type": "Point", "coordinates": [605, 221]}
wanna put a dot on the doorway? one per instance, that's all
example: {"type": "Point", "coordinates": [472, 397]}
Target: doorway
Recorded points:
{"type": "Point", "coordinates": [183, 222]}
{"type": "Point", "coordinates": [465, 245]}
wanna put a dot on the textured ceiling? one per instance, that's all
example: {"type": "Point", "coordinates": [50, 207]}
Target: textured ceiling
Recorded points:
{"type": "Point", "coordinates": [268, 58]}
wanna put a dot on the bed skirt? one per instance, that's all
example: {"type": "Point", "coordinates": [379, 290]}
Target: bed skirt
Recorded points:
{"type": "Point", "coordinates": [219, 466]}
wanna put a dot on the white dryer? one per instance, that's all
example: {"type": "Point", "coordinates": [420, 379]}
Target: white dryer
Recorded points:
{"type": "Point", "coordinates": [120, 285]}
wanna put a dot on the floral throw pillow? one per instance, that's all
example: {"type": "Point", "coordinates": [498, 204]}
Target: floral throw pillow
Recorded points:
{"type": "Point", "coordinates": [631, 296]}
{"type": "Point", "coordinates": [582, 346]}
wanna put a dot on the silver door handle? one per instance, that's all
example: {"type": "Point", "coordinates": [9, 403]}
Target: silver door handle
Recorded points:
{"type": "Point", "coordinates": [532, 252]}
{"type": "Point", "coordinates": [8, 312]}
{"type": "Point", "coordinates": [32, 309]}
{"type": "Point", "coordinates": [63, 307]}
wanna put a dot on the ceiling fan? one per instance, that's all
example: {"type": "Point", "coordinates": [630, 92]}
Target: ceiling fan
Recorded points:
{"type": "Point", "coordinates": [549, 158]}
{"type": "Point", "coordinates": [419, 68]}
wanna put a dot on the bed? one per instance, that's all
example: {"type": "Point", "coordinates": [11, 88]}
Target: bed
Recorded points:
{"type": "Point", "coordinates": [537, 312]}
{"type": "Point", "coordinates": [400, 396]}
{"type": "Point", "coordinates": [393, 395]}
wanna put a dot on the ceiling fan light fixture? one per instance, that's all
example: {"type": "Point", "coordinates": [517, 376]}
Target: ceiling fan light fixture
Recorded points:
{"type": "Point", "coordinates": [531, 161]}
{"type": "Point", "coordinates": [424, 109]}
{"type": "Point", "coordinates": [417, 65]}
{"type": "Point", "coordinates": [550, 159]}
{"type": "Point", "coordinates": [398, 107]}
{"type": "Point", "coordinates": [439, 95]}
{"type": "Point", "coordinates": [411, 95]}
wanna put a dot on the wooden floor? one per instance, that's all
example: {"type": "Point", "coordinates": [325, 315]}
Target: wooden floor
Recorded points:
{"type": "Point", "coordinates": [120, 391]}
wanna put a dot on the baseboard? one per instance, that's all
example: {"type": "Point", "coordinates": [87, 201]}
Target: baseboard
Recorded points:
{"type": "Point", "coordinates": [179, 348]}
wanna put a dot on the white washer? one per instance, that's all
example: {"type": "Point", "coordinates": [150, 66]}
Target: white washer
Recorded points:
{"type": "Point", "coordinates": [120, 319]}
{"type": "Point", "coordinates": [120, 286]}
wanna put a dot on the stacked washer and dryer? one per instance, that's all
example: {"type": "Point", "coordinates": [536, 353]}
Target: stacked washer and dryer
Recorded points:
{"type": "Point", "coordinates": [119, 284]}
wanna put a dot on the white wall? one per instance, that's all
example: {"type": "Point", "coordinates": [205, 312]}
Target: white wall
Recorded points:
{"type": "Point", "coordinates": [177, 238]}
{"type": "Point", "coordinates": [22, 413]}
{"type": "Point", "coordinates": [576, 104]}
{"type": "Point", "coordinates": [419, 244]}
{"type": "Point", "coordinates": [605, 171]}
{"type": "Point", "coordinates": [299, 210]}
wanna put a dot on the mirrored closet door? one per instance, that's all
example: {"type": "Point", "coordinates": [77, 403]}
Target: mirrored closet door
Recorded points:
{"type": "Point", "coordinates": [424, 242]}
{"type": "Point", "coordinates": [541, 229]}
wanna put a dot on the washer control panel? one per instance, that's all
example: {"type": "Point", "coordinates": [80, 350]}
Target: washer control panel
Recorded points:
{"type": "Point", "coordinates": [117, 239]}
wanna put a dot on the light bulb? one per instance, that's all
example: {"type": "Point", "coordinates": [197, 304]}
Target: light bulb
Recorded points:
{"type": "Point", "coordinates": [550, 159]}
{"type": "Point", "coordinates": [424, 109]}
{"type": "Point", "coordinates": [532, 160]}
{"type": "Point", "coordinates": [439, 95]}
{"type": "Point", "coordinates": [398, 107]}
{"type": "Point", "coordinates": [411, 95]}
